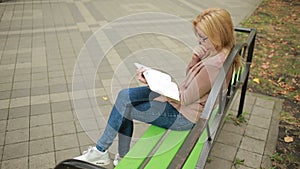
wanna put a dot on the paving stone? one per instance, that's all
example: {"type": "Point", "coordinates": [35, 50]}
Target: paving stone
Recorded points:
{"type": "Point", "coordinates": [256, 132]}
{"type": "Point", "coordinates": [229, 138]}
{"type": "Point", "coordinates": [57, 80]}
{"type": "Point", "coordinates": [22, 77]}
{"type": "Point", "coordinates": [2, 138]}
{"type": "Point", "coordinates": [20, 93]}
{"type": "Point", "coordinates": [60, 106]}
{"type": "Point", "coordinates": [266, 102]}
{"type": "Point", "coordinates": [262, 112]}
{"type": "Point", "coordinates": [224, 151]}
{"type": "Point", "coordinates": [62, 116]}
{"type": "Point", "coordinates": [241, 167]}
{"type": "Point", "coordinates": [39, 75]}
{"type": "Point", "coordinates": [3, 114]}
{"type": "Point", "coordinates": [260, 122]}
{"type": "Point", "coordinates": [3, 126]}
{"type": "Point", "coordinates": [40, 99]}
{"type": "Point", "coordinates": [1, 152]}
{"type": "Point", "coordinates": [18, 112]}
{"type": "Point", "coordinates": [5, 86]}
{"type": "Point", "coordinates": [18, 102]}
{"type": "Point", "coordinates": [15, 150]}
{"type": "Point", "coordinates": [57, 97]}
{"type": "Point", "coordinates": [6, 79]}
{"type": "Point", "coordinates": [53, 74]}
{"type": "Point", "coordinates": [58, 88]}
{"type": "Point", "coordinates": [18, 123]}
{"type": "Point", "coordinates": [218, 163]}
{"type": "Point", "coordinates": [266, 162]}
{"type": "Point", "coordinates": [64, 128]}
{"type": "Point", "coordinates": [4, 104]}
{"type": "Point", "coordinates": [253, 145]}
{"type": "Point", "coordinates": [42, 161]}
{"type": "Point", "coordinates": [251, 159]}
{"type": "Point", "coordinates": [38, 120]}
{"type": "Point", "coordinates": [21, 85]}
{"type": "Point", "coordinates": [16, 136]}
{"type": "Point", "coordinates": [89, 138]}
{"type": "Point", "coordinates": [238, 129]}
{"type": "Point", "coordinates": [77, 125]}
{"type": "Point", "coordinates": [40, 109]}
{"type": "Point", "coordinates": [87, 124]}
{"type": "Point", "coordinates": [65, 141]}
{"type": "Point", "coordinates": [40, 146]}
{"type": "Point", "coordinates": [38, 69]}
{"type": "Point", "coordinates": [66, 154]}
{"type": "Point", "coordinates": [41, 132]}
{"type": "Point", "coordinates": [40, 90]}
{"type": "Point", "coordinates": [39, 83]}
{"type": "Point", "coordinates": [18, 163]}
{"type": "Point", "coordinates": [273, 133]}
{"type": "Point", "coordinates": [139, 130]}
{"type": "Point", "coordinates": [4, 95]}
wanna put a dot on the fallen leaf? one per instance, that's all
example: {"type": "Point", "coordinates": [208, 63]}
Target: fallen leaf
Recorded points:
{"type": "Point", "coordinates": [297, 98]}
{"type": "Point", "coordinates": [288, 139]}
{"type": "Point", "coordinates": [265, 66]}
{"type": "Point", "coordinates": [271, 55]}
{"type": "Point", "coordinates": [105, 98]}
{"type": "Point", "coordinates": [291, 88]}
{"type": "Point", "coordinates": [283, 92]}
{"type": "Point", "coordinates": [256, 80]}
{"type": "Point", "coordinates": [280, 79]}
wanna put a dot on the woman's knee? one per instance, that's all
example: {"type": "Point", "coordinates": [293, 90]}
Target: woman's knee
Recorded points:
{"type": "Point", "coordinates": [124, 93]}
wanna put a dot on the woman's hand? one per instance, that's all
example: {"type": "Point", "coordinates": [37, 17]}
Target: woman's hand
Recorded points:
{"type": "Point", "coordinates": [141, 77]}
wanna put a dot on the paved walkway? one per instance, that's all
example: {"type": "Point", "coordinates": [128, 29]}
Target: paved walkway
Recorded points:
{"type": "Point", "coordinates": [40, 41]}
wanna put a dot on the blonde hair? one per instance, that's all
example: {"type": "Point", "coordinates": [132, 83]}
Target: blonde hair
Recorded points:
{"type": "Point", "coordinates": [217, 25]}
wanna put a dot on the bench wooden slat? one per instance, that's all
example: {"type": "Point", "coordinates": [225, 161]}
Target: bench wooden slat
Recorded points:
{"type": "Point", "coordinates": [141, 150]}
{"type": "Point", "coordinates": [167, 150]}
{"type": "Point", "coordinates": [195, 154]}
{"type": "Point", "coordinates": [171, 144]}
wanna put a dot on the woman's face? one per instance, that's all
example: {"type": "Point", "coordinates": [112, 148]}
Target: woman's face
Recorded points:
{"type": "Point", "coordinates": [201, 37]}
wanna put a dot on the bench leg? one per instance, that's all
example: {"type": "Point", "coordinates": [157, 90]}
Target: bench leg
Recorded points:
{"type": "Point", "coordinates": [243, 95]}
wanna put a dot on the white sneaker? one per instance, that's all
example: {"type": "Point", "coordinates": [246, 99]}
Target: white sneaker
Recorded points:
{"type": "Point", "coordinates": [117, 159]}
{"type": "Point", "coordinates": [94, 156]}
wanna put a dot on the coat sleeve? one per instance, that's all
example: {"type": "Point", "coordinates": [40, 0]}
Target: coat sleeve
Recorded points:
{"type": "Point", "coordinates": [200, 85]}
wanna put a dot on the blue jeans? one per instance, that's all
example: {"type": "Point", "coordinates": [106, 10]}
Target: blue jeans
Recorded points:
{"type": "Point", "coordinates": [138, 104]}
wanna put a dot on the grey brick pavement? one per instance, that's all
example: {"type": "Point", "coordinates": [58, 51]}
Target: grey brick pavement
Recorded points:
{"type": "Point", "coordinates": [253, 141]}
{"type": "Point", "coordinates": [40, 41]}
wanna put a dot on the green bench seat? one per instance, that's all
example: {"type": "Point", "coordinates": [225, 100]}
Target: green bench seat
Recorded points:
{"type": "Point", "coordinates": [172, 141]}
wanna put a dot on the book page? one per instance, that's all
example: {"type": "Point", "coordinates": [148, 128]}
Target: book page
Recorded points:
{"type": "Point", "coordinates": [160, 82]}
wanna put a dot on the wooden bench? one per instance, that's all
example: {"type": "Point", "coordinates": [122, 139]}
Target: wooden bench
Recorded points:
{"type": "Point", "coordinates": [162, 148]}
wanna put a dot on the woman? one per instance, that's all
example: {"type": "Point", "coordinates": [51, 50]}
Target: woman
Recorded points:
{"type": "Point", "coordinates": [214, 30]}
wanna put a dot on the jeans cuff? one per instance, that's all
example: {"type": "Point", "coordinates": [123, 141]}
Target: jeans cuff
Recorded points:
{"type": "Point", "coordinates": [100, 148]}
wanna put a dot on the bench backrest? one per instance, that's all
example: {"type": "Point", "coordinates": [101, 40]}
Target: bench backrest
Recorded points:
{"type": "Point", "coordinates": [217, 97]}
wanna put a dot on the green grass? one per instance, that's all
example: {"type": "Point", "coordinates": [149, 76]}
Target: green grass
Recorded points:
{"type": "Point", "coordinates": [238, 162]}
{"type": "Point", "coordinates": [276, 64]}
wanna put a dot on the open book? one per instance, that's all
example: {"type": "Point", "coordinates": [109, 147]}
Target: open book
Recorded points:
{"type": "Point", "coordinates": [160, 82]}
